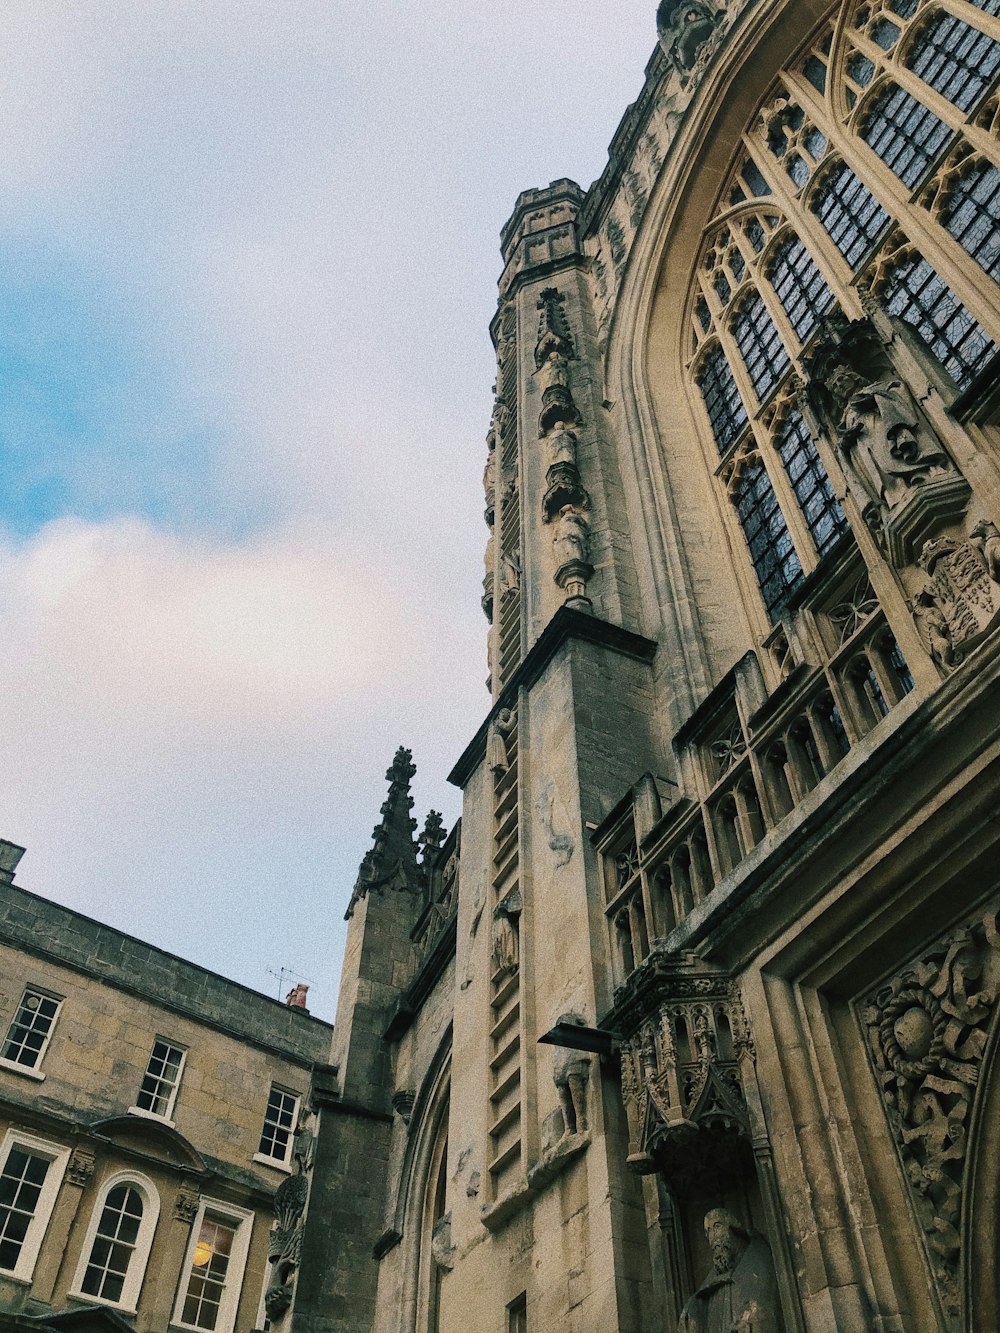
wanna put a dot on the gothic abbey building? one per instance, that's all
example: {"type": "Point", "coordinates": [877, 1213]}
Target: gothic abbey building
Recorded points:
{"type": "Point", "coordinates": [690, 1025]}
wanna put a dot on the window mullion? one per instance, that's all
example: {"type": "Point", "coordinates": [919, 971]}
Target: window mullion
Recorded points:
{"type": "Point", "coordinates": [945, 111]}
{"type": "Point", "coordinates": [973, 16]}
{"type": "Point", "coordinates": [788, 501]}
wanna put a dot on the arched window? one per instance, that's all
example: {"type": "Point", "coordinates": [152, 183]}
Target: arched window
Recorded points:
{"type": "Point", "coordinates": [872, 165]}
{"type": "Point", "coordinates": [116, 1249]}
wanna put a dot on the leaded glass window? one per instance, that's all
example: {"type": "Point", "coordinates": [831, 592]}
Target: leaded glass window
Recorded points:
{"type": "Point", "coordinates": [771, 550]}
{"type": "Point", "coordinates": [850, 213]}
{"type": "Point", "coordinates": [760, 345]}
{"type": "Point", "coordinates": [957, 61]}
{"type": "Point", "coordinates": [971, 216]}
{"type": "Point", "coordinates": [920, 297]}
{"type": "Point", "coordinates": [722, 399]}
{"type": "Point", "coordinates": [800, 287]}
{"type": "Point", "coordinates": [810, 482]}
{"type": "Point", "coordinates": [905, 134]}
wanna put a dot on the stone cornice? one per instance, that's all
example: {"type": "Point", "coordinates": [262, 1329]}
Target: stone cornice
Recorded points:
{"type": "Point", "coordinates": [567, 624]}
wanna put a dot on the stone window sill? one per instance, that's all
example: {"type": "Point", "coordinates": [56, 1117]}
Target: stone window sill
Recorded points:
{"type": "Point", "coordinates": [273, 1163]}
{"type": "Point", "coordinates": [150, 1115]}
{"type": "Point", "coordinates": [26, 1071]}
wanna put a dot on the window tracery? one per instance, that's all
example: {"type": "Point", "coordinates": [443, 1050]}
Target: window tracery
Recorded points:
{"type": "Point", "coordinates": [890, 96]}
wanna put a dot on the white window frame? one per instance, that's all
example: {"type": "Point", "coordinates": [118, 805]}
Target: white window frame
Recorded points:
{"type": "Point", "coordinates": [162, 1117]}
{"type": "Point", "coordinates": [58, 1157]}
{"type": "Point", "coordinates": [282, 1163]}
{"type": "Point", "coordinates": [140, 1252]}
{"type": "Point", "coordinates": [236, 1272]}
{"type": "Point", "coordinates": [16, 1066]}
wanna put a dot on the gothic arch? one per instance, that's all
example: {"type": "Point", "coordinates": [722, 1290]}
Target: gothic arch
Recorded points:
{"type": "Point", "coordinates": [423, 1162]}
{"type": "Point", "coordinates": [981, 1276]}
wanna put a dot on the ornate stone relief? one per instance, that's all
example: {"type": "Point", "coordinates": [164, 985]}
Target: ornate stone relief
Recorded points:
{"type": "Point", "coordinates": [186, 1206]}
{"type": "Point", "coordinates": [688, 34]}
{"type": "Point", "coordinates": [571, 542]}
{"type": "Point", "coordinates": [926, 1032]}
{"type": "Point", "coordinates": [960, 601]}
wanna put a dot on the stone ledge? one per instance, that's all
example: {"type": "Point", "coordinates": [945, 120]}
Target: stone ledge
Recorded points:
{"type": "Point", "coordinates": [539, 1177]}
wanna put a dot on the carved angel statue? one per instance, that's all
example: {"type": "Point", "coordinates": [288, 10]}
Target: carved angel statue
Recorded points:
{"type": "Point", "coordinates": [986, 539]}
{"type": "Point", "coordinates": [934, 629]}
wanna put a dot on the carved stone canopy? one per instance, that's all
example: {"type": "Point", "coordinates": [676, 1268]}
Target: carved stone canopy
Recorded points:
{"type": "Point", "coordinates": [686, 1056]}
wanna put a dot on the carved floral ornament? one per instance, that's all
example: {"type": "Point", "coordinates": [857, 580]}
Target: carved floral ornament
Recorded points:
{"type": "Point", "coordinates": [926, 1033]}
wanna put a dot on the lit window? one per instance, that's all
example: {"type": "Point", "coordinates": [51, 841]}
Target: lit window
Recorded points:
{"type": "Point", "coordinates": [279, 1125]}
{"type": "Point", "coordinates": [31, 1029]}
{"type": "Point", "coordinates": [113, 1260]}
{"type": "Point", "coordinates": [162, 1079]}
{"type": "Point", "coordinates": [771, 550]}
{"type": "Point", "coordinates": [30, 1177]}
{"type": "Point", "coordinates": [213, 1274]}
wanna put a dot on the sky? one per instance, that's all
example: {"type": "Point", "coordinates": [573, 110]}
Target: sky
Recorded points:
{"type": "Point", "coordinates": [248, 260]}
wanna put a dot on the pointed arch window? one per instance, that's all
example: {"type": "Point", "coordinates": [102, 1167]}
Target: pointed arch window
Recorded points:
{"type": "Point", "coordinates": [723, 403]}
{"type": "Point", "coordinates": [764, 354]}
{"type": "Point", "coordinates": [956, 60]}
{"type": "Point", "coordinates": [918, 295]}
{"type": "Point", "coordinates": [800, 287]}
{"type": "Point", "coordinates": [970, 214]}
{"type": "Point", "coordinates": [772, 551]}
{"type": "Point", "coordinates": [810, 482]}
{"type": "Point", "coordinates": [850, 213]}
{"type": "Point", "coordinates": [116, 1248]}
{"type": "Point", "coordinates": [905, 134]}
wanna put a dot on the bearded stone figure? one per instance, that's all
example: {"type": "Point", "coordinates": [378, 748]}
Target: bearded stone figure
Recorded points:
{"type": "Point", "coordinates": [741, 1294]}
{"type": "Point", "coordinates": [884, 443]}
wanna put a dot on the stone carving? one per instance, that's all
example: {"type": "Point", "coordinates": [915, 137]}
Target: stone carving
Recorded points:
{"type": "Point", "coordinates": [560, 844]}
{"type": "Point", "coordinates": [478, 907]}
{"type": "Point", "coordinates": [443, 1250]}
{"type": "Point", "coordinates": [502, 726]}
{"type": "Point", "coordinates": [686, 29]}
{"type": "Point", "coordinates": [571, 1074]}
{"type": "Point", "coordinates": [285, 1244]}
{"type": "Point", "coordinates": [489, 565]}
{"type": "Point", "coordinates": [297, 996]}
{"type": "Point", "coordinates": [553, 353]}
{"type": "Point", "coordinates": [926, 1032]}
{"type": "Point", "coordinates": [960, 602]}
{"type": "Point", "coordinates": [571, 541]}
{"type": "Point", "coordinates": [510, 575]}
{"type": "Point", "coordinates": [986, 539]}
{"type": "Point", "coordinates": [560, 448]}
{"type": "Point", "coordinates": [683, 1071]}
{"type": "Point", "coordinates": [402, 1103]}
{"type": "Point", "coordinates": [186, 1206]}
{"type": "Point", "coordinates": [897, 470]}
{"type": "Point", "coordinates": [740, 1295]}
{"type": "Point", "coordinates": [506, 945]}
{"type": "Point", "coordinates": [80, 1168]}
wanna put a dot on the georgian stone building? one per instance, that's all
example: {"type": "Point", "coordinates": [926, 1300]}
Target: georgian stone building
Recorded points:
{"type": "Point", "coordinates": [147, 1117]}
{"type": "Point", "coordinates": [692, 1022]}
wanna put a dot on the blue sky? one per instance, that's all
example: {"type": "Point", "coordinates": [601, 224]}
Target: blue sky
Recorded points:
{"type": "Point", "coordinates": [249, 259]}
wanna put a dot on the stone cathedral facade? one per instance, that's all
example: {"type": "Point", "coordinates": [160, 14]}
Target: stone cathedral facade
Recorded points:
{"type": "Point", "coordinates": [690, 1025]}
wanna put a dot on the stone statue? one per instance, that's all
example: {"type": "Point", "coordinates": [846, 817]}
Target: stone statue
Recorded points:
{"type": "Point", "coordinates": [505, 943]}
{"type": "Point", "coordinates": [571, 537]}
{"type": "Point", "coordinates": [882, 439]}
{"type": "Point", "coordinates": [510, 575]}
{"type": "Point", "coordinates": [561, 448]}
{"type": "Point", "coordinates": [934, 629]}
{"type": "Point", "coordinates": [571, 1073]}
{"type": "Point", "coordinates": [986, 539]}
{"type": "Point", "coordinates": [684, 27]}
{"type": "Point", "coordinates": [296, 997]}
{"type": "Point", "coordinates": [553, 373]}
{"type": "Point", "coordinates": [497, 760]}
{"type": "Point", "coordinates": [741, 1294]}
